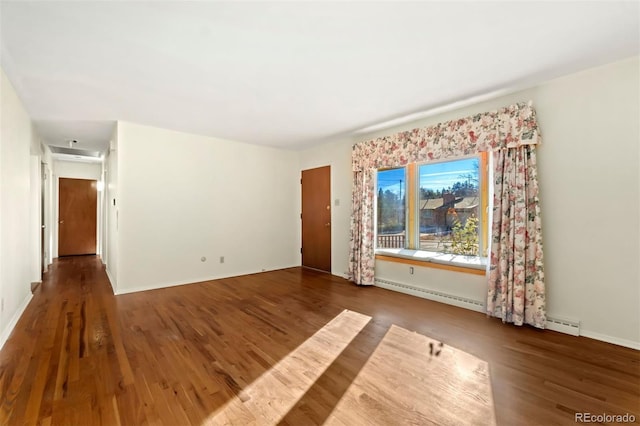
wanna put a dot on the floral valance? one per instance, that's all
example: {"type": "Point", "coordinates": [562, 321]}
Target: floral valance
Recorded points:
{"type": "Point", "coordinates": [507, 127]}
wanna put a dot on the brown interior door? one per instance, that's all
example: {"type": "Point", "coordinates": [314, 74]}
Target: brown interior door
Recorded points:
{"type": "Point", "coordinates": [77, 216]}
{"type": "Point", "coordinates": [316, 218]}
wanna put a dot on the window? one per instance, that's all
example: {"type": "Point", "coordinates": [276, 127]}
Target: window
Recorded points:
{"type": "Point", "coordinates": [391, 208]}
{"type": "Point", "coordinates": [449, 206]}
{"type": "Point", "coordinates": [436, 207]}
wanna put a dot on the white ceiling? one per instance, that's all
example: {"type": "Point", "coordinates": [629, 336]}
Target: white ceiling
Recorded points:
{"type": "Point", "coordinates": [287, 74]}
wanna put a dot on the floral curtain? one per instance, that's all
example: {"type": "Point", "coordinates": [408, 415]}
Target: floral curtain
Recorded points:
{"type": "Point", "coordinates": [516, 275]}
{"type": "Point", "coordinates": [361, 261]}
{"type": "Point", "coordinates": [508, 128]}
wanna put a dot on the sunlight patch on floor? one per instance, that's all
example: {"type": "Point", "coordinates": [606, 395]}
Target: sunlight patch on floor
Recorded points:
{"type": "Point", "coordinates": [270, 397]}
{"type": "Point", "coordinates": [413, 379]}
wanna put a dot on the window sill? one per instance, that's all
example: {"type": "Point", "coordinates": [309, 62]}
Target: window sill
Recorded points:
{"type": "Point", "coordinates": [469, 264]}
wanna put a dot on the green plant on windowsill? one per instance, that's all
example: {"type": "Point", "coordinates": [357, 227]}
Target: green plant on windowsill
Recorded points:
{"type": "Point", "coordinates": [464, 238]}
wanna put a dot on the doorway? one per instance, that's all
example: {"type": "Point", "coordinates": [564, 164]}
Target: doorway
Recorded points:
{"type": "Point", "coordinates": [43, 222]}
{"type": "Point", "coordinates": [316, 218]}
{"type": "Point", "coordinates": [77, 216]}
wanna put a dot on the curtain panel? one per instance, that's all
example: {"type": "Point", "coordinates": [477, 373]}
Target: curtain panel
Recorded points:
{"type": "Point", "coordinates": [510, 128]}
{"type": "Point", "coordinates": [516, 291]}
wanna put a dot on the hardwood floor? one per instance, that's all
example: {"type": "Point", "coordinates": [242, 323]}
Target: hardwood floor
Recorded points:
{"type": "Point", "coordinates": [293, 347]}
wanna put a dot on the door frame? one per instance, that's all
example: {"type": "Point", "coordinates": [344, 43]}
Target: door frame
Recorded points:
{"type": "Point", "coordinates": [43, 219]}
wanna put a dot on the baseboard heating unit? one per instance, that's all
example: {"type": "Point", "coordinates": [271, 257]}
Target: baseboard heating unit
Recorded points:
{"type": "Point", "coordinates": [561, 325]}
{"type": "Point", "coordinates": [450, 299]}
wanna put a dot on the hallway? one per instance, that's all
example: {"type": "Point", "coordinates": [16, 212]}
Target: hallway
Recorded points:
{"type": "Point", "coordinates": [65, 360]}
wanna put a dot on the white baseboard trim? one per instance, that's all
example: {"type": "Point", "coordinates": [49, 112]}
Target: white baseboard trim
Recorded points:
{"type": "Point", "coordinates": [194, 281]}
{"type": "Point", "coordinates": [436, 296]}
{"type": "Point", "coordinates": [611, 339]}
{"type": "Point", "coordinates": [14, 320]}
{"type": "Point", "coordinates": [111, 280]}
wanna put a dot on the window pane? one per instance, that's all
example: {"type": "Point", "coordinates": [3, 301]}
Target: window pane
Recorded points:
{"type": "Point", "coordinates": [449, 206]}
{"type": "Point", "coordinates": [392, 186]}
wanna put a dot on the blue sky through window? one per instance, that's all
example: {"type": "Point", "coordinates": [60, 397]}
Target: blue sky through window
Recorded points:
{"type": "Point", "coordinates": [432, 176]}
{"type": "Point", "coordinates": [394, 180]}
{"type": "Point", "coordinates": [444, 175]}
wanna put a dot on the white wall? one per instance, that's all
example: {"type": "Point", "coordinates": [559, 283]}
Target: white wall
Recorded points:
{"type": "Point", "coordinates": [183, 197]}
{"type": "Point", "coordinates": [103, 211]}
{"type": "Point", "coordinates": [590, 199]}
{"type": "Point", "coordinates": [590, 129]}
{"type": "Point", "coordinates": [76, 170]}
{"type": "Point", "coordinates": [15, 260]}
{"type": "Point", "coordinates": [111, 207]}
{"type": "Point", "coordinates": [34, 219]}
{"type": "Point", "coordinates": [47, 164]}
{"type": "Point", "coordinates": [35, 199]}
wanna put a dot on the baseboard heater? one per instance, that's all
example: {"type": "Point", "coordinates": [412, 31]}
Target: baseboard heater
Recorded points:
{"type": "Point", "coordinates": [450, 299]}
{"type": "Point", "coordinates": [561, 325]}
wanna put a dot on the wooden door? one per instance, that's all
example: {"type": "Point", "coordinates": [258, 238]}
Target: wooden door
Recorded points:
{"type": "Point", "coordinates": [77, 214]}
{"type": "Point", "coordinates": [316, 218]}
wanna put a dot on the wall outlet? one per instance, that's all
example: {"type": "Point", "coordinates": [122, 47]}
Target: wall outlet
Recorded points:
{"type": "Point", "coordinates": [411, 270]}
{"type": "Point", "coordinates": [221, 259]}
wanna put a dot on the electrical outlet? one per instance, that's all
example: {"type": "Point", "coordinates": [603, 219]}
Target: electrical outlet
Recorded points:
{"type": "Point", "coordinates": [221, 259]}
{"type": "Point", "coordinates": [411, 270]}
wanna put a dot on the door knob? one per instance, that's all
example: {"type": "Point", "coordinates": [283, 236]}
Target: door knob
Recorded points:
{"type": "Point", "coordinates": [62, 221]}
{"type": "Point", "coordinates": [328, 224]}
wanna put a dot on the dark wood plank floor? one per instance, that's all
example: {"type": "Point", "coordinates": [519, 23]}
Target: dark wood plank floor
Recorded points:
{"type": "Point", "coordinates": [293, 347]}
